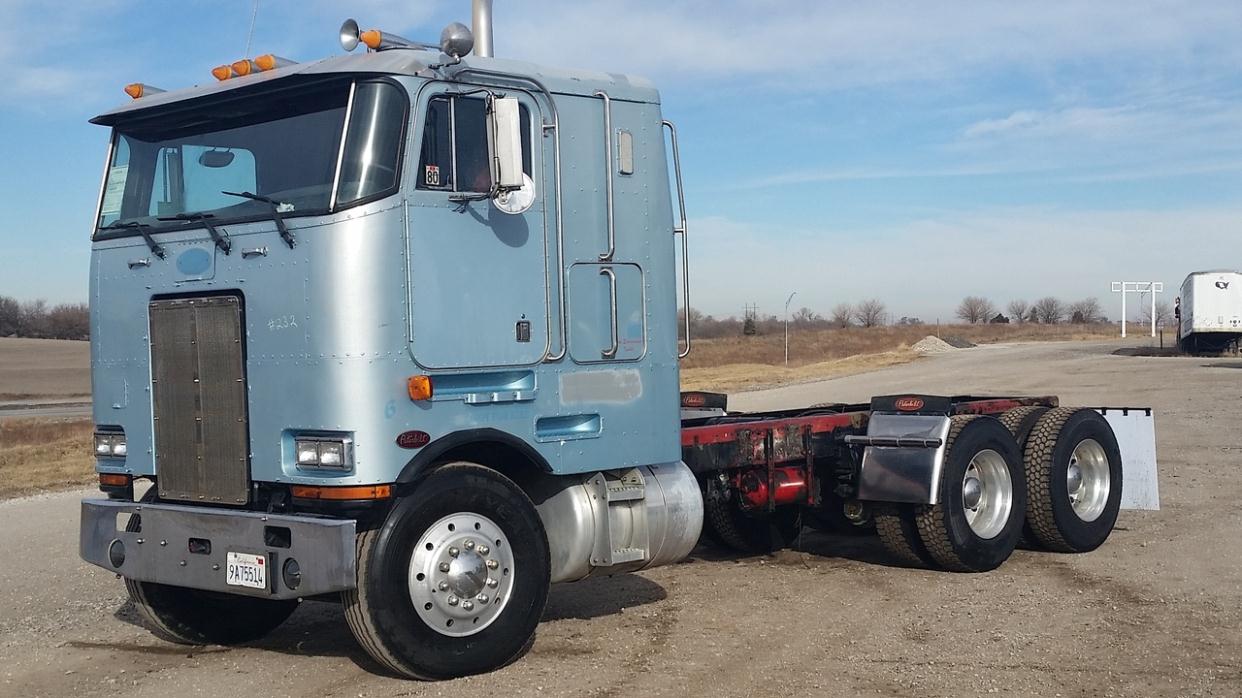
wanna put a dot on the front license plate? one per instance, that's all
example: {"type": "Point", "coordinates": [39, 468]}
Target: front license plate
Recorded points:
{"type": "Point", "coordinates": [246, 571]}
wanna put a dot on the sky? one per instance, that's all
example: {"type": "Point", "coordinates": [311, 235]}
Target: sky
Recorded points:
{"type": "Point", "coordinates": [914, 152]}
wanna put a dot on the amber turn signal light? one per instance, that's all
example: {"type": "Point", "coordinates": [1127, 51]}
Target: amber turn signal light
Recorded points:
{"type": "Point", "coordinates": [113, 480]}
{"type": "Point", "coordinates": [419, 387]}
{"type": "Point", "coordinates": [341, 493]}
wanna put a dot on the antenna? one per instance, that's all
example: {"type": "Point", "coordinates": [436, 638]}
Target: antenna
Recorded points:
{"type": "Point", "coordinates": [250, 34]}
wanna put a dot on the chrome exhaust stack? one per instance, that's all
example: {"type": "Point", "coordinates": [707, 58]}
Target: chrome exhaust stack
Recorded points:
{"type": "Point", "coordinates": [482, 28]}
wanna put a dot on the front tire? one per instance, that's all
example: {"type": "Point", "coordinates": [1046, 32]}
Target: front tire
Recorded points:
{"type": "Point", "coordinates": [196, 617]}
{"type": "Point", "coordinates": [978, 520]}
{"type": "Point", "coordinates": [455, 580]}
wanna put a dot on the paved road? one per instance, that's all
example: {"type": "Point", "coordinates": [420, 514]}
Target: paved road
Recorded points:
{"type": "Point", "coordinates": [45, 410]}
{"type": "Point", "coordinates": [1155, 612]}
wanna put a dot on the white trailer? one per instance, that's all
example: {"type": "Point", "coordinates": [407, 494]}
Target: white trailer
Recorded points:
{"type": "Point", "coordinates": [1209, 311]}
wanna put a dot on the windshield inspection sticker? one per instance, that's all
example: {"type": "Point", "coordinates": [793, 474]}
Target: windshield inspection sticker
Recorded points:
{"type": "Point", "coordinates": [433, 175]}
{"type": "Point", "coordinates": [114, 192]}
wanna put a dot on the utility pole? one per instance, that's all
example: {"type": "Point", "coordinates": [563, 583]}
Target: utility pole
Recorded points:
{"type": "Point", "coordinates": [787, 300]}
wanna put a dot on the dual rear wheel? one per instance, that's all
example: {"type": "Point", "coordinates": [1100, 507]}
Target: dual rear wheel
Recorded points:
{"type": "Point", "coordinates": [1049, 476]}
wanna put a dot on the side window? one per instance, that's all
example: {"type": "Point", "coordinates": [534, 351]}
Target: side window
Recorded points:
{"type": "Point", "coordinates": [435, 166]}
{"type": "Point", "coordinates": [454, 151]}
{"type": "Point", "coordinates": [373, 145]}
{"type": "Point", "coordinates": [114, 188]}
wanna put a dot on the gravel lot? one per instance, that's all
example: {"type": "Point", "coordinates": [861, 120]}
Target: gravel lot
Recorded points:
{"type": "Point", "coordinates": [1156, 612]}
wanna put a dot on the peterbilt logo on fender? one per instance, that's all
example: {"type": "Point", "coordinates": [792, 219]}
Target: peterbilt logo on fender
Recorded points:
{"type": "Point", "coordinates": [413, 439]}
{"type": "Point", "coordinates": [693, 400]}
{"type": "Point", "coordinates": [908, 404]}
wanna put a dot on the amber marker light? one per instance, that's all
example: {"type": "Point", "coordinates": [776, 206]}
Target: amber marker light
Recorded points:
{"type": "Point", "coordinates": [244, 67]}
{"type": "Point", "coordinates": [113, 480]}
{"type": "Point", "coordinates": [138, 90]}
{"type": "Point", "coordinates": [341, 493]}
{"type": "Point", "coordinates": [419, 387]}
{"type": "Point", "coordinates": [270, 61]}
{"type": "Point", "coordinates": [222, 72]}
{"type": "Point", "coordinates": [372, 38]}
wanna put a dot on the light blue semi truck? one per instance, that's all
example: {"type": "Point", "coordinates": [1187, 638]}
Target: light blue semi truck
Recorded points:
{"type": "Point", "coordinates": [399, 329]}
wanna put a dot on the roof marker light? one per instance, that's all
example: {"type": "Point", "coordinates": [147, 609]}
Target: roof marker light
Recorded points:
{"type": "Point", "coordinates": [222, 72]}
{"type": "Point", "coordinates": [245, 67]}
{"type": "Point", "coordinates": [138, 90]}
{"type": "Point", "coordinates": [269, 61]}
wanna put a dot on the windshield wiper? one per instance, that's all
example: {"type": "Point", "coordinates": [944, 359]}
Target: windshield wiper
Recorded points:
{"type": "Point", "coordinates": [222, 241]}
{"type": "Point", "coordinates": [141, 228]}
{"type": "Point", "coordinates": [280, 222]}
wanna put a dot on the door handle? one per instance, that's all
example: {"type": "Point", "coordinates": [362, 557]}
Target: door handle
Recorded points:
{"type": "Point", "coordinates": [611, 352]}
{"type": "Point", "coordinates": [612, 231]}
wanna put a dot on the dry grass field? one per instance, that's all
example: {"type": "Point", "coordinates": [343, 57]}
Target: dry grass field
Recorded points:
{"type": "Point", "coordinates": [33, 369]}
{"type": "Point", "coordinates": [37, 455]}
{"type": "Point", "coordinates": [746, 363]}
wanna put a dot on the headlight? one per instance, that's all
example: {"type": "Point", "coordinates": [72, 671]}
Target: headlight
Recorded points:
{"type": "Point", "coordinates": [110, 444]}
{"type": "Point", "coordinates": [325, 452]}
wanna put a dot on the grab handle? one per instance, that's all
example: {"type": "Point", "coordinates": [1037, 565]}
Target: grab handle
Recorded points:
{"type": "Point", "coordinates": [611, 352]}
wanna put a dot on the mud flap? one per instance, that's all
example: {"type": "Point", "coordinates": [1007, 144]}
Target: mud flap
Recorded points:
{"type": "Point", "coordinates": [1135, 429]}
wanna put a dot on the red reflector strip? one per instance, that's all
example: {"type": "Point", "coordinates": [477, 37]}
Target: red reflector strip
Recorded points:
{"type": "Point", "coordinates": [339, 493]}
{"type": "Point", "coordinates": [113, 480]}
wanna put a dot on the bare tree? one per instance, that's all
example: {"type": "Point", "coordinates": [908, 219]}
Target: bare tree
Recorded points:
{"type": "Point", "coordinates": [1019, 310]}
{"type": "Point", "coordinates": [841, 315]}
{"type": "Point", "coordinates": [975, 309]}
{"type": "Point", "coordinates": [33, 319]}
{"type": "Point", "coordinates": [1086, 311]}
{"type": "Point", "coordinates": [806, 316]}
{"type": "Point", "coordinates": [1048, 310]}
{"type": "Point", "coordinates": [871, 313]}
{"type": "Point", "coordinates": [1164, 313]}
{"type": "Point", "coordinates": [69, 321]}
{"type": "Point", "coordinates": [10, 316]}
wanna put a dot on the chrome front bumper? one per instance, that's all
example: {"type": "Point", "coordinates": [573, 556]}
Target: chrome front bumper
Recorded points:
{"type": "Point", "coordinates": [161, 550]}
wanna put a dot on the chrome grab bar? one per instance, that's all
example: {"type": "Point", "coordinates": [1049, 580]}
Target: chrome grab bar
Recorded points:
{"type": "Point", "coordinates": [608, 163]}
{"type": "Point", "coordinates": [681, 230]}
{"type": "Point", "coordinates": [611, 353]}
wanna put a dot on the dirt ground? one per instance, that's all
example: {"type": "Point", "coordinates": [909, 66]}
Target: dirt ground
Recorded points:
{"type": "Point", "coordinates": [33, 369]}
{"type": "Point", "coordinates": [1156, 612]}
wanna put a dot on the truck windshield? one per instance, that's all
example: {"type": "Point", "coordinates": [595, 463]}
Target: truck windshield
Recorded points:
{"type": "Point", "coordinates": [283, 147]}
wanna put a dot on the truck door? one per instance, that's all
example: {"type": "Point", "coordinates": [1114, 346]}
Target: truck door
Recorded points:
{"type": "Point", "coordinates": [478, 292]}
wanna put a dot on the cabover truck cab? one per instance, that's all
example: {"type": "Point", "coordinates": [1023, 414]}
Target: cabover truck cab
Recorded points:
{"type": "Point", "coordinates": [400, 328]}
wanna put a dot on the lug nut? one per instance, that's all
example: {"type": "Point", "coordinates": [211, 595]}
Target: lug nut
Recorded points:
{"type": "Point", "coordinates": [483, 598]}
{"type": "Point", "coordinates": [492, 564]}
{"type": "Point", "coordinates": [444, 567]}
{"type": "Point", "coordinates": [443, 586]}
{"type": "Point", "coordinates": [454, 552]}
{"type": "Point", "coordinates": [492, 583]}
{"type": "Point", "coordinates": [452, 601]}
{"type": "Point", "coordinates": [467, 605]}
{"type": "Point", "coordinates": [469, 545]}
{"type": "Point", "coordinates": [483, 550]}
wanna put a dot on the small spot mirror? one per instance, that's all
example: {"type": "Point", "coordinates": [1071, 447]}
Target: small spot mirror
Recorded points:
{"type": "Point", "coordinates": [216, 159]}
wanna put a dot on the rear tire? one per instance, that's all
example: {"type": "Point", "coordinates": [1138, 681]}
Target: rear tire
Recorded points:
{"type": "Point", "coordinates": [1073, 448]}
{"type": "Point", "coordinates": [899, 534]}
{"type": "Point", "coordinates": [752, 535]}
{"type": "Point", "coordinates": [1020, 421]}
{"type": "Point", "coordinates": [978, 520]}
{"type": "Point", "coordinates": [449, 531]}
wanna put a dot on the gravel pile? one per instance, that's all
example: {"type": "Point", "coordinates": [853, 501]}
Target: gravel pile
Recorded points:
{"type": "Point", "coordinates": [932, 345]}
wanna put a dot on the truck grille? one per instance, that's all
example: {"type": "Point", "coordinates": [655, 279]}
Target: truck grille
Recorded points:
{"type": "Point", "coordinates": [198, 386]}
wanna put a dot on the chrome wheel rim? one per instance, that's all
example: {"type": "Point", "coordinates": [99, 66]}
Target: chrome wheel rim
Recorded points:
{"type": "Point", "coordinates": [461, 574]}
{"type": "Point", "coordinates": [987, 493]}
{"type": "Point", "coordinates": [1087, 480]}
